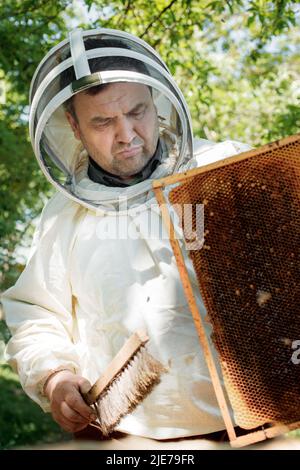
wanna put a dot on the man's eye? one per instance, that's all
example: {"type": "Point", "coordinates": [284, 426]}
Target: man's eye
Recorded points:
{"type": "Point", "coordinates": [103, 123]}
{"type": "Point", "coordinates": [139, 114]}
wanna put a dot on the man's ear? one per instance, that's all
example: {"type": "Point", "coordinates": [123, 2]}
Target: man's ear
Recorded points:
{"type": "Point", "coordinates": [74, 124]}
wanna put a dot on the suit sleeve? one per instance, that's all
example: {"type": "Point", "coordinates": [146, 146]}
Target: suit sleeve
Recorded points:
{"type": "Point", "coordinates": [38, 308]}
{"type": "Point", "coordinates": [212, 153]}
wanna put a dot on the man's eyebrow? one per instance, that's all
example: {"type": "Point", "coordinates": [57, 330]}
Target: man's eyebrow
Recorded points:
{"type": "Point", "coordinates": [100, 119]}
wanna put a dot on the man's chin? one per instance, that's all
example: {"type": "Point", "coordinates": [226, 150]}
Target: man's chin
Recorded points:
{"type": "Point", "coordinates": [130, 174]}
{"type": "Point", "coordinates": [131, 170]}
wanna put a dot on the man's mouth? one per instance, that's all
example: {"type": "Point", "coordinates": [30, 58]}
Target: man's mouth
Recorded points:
{"type": "Point", "coordinates": [131, 152]}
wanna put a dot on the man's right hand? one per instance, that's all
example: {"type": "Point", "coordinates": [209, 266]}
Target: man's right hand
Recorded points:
{"type": "Point", "coordinates": [68, 408]}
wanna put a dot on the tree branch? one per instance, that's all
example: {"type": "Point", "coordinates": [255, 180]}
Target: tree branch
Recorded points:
{"type": "Point", "coordinates": [157, 18]}
{"type": "Point", "coordinates": [128, 7]}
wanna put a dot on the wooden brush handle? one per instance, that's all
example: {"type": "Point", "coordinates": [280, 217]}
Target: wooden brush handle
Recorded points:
{"type": "Point", "coordinates": [130, 347]}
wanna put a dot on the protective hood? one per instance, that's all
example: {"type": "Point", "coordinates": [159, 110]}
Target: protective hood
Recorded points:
{"type": "Point", "coordinates": [88, 59]}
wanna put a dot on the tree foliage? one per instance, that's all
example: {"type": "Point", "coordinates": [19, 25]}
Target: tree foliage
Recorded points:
{"type": "Point", "coordinates": [236, 61]}
{"type": "Point", "coordinates": [27, 30]}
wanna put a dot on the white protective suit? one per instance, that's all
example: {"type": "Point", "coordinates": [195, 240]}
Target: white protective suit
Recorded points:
{"type": "Point", "coordinates": [86, 288]}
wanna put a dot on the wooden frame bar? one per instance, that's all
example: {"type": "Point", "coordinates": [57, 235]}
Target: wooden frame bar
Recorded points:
{"type": "Point", "coordinates": [177, 178]}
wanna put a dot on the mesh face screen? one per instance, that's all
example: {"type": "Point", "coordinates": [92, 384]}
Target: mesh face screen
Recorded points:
{"type": "Point", "coordinates": [249, 278]}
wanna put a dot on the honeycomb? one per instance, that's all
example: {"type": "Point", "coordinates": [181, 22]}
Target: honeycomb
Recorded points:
{"type": "Point", "coordinates": [249, 278]}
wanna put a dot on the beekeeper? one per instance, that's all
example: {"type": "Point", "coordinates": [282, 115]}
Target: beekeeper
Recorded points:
{"type": "Point", "coordinates": [106, 120]}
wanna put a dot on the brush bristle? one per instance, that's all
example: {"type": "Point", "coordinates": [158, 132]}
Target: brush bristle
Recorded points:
{"type": "Point", "coordinates": [128, 389]}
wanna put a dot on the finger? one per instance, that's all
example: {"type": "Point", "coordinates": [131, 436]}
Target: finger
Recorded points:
{"type": "Point", "coordinates": [72, 415]}
{"type": "Point", "coordinates": [73, 427]}
{"type": "Point", "coordinates": [76, 402]}
{"type": "Point", "coordinates": [84, 386]}
{"type": "Point", "coordinates": [68, 426]}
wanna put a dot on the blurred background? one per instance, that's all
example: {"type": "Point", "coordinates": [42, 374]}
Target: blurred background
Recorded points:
{"type": "Point", "coordinates": [237, 62]}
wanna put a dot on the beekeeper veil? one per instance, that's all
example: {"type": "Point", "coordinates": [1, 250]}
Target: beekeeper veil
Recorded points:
{"type": "Point", "coordinates": [91, 59]}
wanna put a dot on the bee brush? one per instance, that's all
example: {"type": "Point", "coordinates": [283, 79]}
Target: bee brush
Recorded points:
{"type": "Point", "coordinates": [127, 380]}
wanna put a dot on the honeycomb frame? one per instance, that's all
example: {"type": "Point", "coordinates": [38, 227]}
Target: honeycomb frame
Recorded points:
{"type": "Point", "coordinates": [247, 267]}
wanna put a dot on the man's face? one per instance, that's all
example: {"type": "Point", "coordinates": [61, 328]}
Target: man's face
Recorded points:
{"type": "Point", "coordinates": [118, 127]}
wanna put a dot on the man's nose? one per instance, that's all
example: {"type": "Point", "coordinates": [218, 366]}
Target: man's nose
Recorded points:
{"type": "Point", "coordinates": [125, 132]}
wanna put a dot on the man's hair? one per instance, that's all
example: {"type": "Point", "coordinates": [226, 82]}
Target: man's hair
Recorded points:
{"type": "Point", "coordinates": [99, 64]}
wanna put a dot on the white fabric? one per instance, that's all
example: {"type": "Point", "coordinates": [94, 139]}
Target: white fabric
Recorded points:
{"type": "Point", "coordinates": [81, 65]}
{"type": "Point", "coordinates": [83, 293]}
